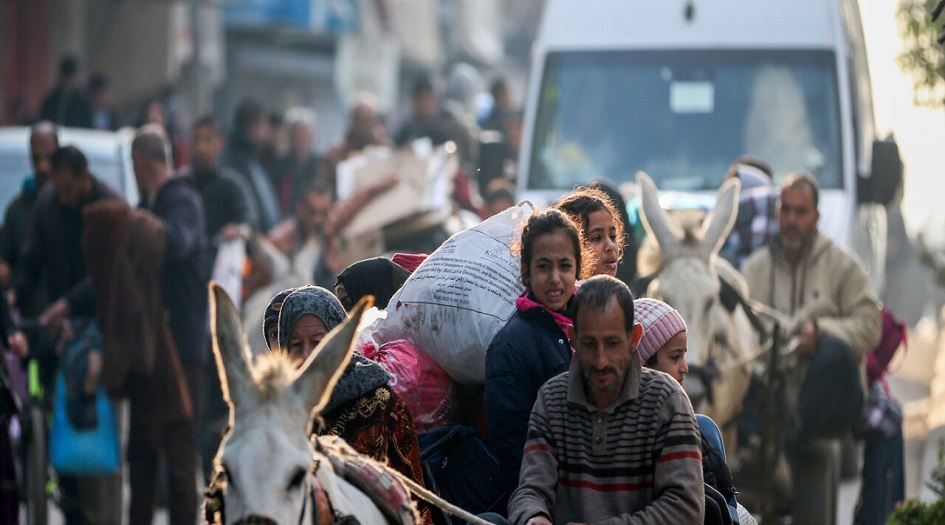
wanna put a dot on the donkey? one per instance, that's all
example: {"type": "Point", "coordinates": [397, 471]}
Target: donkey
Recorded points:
{"type": "Point", "coordinates": [682, 254]}
{"type": "Point", "coordinates": [267, 460]}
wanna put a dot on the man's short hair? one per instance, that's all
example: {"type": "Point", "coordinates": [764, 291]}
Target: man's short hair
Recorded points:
{"type": "Point", "coordinates": [45, 127]}
{"type": "Point", "coordinates": [248, 113]}
{"type": "Point", "coordinates": [422, 86]}
{"type": "Point", "coordinates": [151, 142]}
{"type": "Point", "coordinates": [70, 158]}
{"type": "Point", "coordinates": [207, 121]}
{"type": "Point", "coordinates": [596, 293]}
{"type": "Point", "coordinates": [68, 66]}
{"type": "Point", "coordinates": [802, 179]}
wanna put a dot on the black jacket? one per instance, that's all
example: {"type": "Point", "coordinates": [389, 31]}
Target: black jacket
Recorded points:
{"type": "Point", "coordinates": [529, 350]}
{"type": "Point", "coordinates": [184, 288]}
{"type": "Point", "coordinates": [53, 251]}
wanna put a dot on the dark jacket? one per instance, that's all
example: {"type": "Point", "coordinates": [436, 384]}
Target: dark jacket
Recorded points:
{"type": "Point", "coordinates": [223, 196]}
{"type": "Point", "coordinates": [184, 288]}
{"type": "Point", "coordinates": [529, 350]}
{"type": "Point", "coordinates": [67, 108]}
{"type": "Point", "coordinates": [53, 251]}
{"type": "Point", "coordinates": [13, 237]}
{"type": "Point", "coordinates": [126, 273]}
{"type": "Point", "coordinates": [241, 156]}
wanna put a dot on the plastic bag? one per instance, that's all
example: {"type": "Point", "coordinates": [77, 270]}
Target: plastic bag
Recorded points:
{"type": "Point", "coordinates": [460, 296]}
{"type": "Point", "coordinates": [84, 436]}
{"type": "Point", "coordinates": [228, 268]}
{"type": "Point", "coordinates": [424, 386]}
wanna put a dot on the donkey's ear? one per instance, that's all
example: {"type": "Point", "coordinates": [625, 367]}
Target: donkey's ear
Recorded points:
{"type": "Point", "coordinates": [655, 219]}
{"type": "Point", "coordinates": [230, 350]}
{"type": "Point", "coordinates": [718, 223]}
{"type": "Point", "coordinates": [320, 372]}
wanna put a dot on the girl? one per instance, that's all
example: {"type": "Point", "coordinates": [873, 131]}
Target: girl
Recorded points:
{"type": "Point", "coordinates": [663, 347]}
{"type": "Point", "coordinates": [533, 346]}
{"type": "Point", "coordinates": [601, 228]}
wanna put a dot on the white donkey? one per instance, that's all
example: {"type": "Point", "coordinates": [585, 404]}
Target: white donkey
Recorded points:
{"type": "Point", "coordinates": [683, 255]}
{"type": "Point", "coordinates": [266, 459]}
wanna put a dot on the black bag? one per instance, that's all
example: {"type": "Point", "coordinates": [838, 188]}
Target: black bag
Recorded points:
{"type": "Point", "coordinates": [461, 469]}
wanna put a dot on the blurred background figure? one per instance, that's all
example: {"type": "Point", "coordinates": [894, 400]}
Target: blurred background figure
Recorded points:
{"type": "Point", "coordinates": [154, 111]}
{"type": "Point", "coordinates": [66, 104]}
{"type": "Point", "coordinates": [103, 117]}
{"type": "Point", "coordinates": [250, 132]}
{"type": "Point", "coordinates": [275, 147]}
{"type": "Point", "coordinates": [297, 168]}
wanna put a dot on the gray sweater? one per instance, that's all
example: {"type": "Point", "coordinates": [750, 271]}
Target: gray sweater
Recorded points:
{"type": "Point", "coordinates": [637, 461]}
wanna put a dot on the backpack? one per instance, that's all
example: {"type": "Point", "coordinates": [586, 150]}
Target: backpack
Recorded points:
{"type": "Point", "coordinates": [894, 335]}
{"type": "Point", "coordinates": [460, 469]}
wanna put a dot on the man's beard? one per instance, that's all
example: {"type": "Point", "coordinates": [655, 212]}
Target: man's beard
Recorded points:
{"type": "Point", "coordinates": [619, 376]}
{"type": "Point", "coordinates": [800, 242]}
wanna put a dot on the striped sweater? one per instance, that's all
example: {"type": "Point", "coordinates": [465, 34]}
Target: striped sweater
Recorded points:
{"type": "Point", "coordinates": [637, 461]}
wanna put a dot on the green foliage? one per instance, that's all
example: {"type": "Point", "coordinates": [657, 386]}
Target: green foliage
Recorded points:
{"type": "Point", "coordinates": [922, 55]}
{"type": "Point", "coordinates": [914, 512]}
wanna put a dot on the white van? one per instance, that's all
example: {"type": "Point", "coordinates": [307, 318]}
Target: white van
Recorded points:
{"type": "Point", "coordinates": [680, 88]}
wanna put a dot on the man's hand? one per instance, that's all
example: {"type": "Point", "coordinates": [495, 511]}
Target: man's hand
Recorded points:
{"type": "Point", "coordinates": [807, 337]}
{"type": "Point", "coordinates": [234, 231]}
{"type": "Point", "coordinates": [18, 344]}
{"type": "Point", "coordinates": [538, 520]}
{"type": "Point", "coordinates": [6, 273]}
{"type": "Point", "coordinates": [55, 314]}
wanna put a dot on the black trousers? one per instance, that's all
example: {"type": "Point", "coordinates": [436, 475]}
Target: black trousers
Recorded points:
{"type": "Point", "coordinates": [830, 401]}
{"type": "Point", "coordinates": [177, 441]}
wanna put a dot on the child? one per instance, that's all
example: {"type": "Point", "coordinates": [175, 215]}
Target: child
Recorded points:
{"type": "Point", "coordinates": [663, 347]}
{"type": "Point", "coordinates": [533, 346]}
{"type": "Point", "coordinates": [601, 228]}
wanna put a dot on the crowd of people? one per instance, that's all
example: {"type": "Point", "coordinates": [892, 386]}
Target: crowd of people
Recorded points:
{"type": "Point", "coordinates": [582, 410]}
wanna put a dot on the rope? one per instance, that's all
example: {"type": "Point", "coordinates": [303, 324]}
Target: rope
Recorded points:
{"type": "Point", "coordinates": [437, 501]}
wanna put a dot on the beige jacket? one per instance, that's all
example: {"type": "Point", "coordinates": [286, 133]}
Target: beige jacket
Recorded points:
{"type": "Point", "coordinates": [828, 285]}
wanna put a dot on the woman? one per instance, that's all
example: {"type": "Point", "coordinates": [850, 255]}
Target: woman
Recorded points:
{"type": "Point", "coordinates": [362, 410]}
{"type": "Point", "coordinates": [378, 276]}
{"type": "Point", "coordinates": [533, 346]}
{"type": "Point", "coordinates": [663, 347]}
{"type": "Point", "coordinates": [601, 228]}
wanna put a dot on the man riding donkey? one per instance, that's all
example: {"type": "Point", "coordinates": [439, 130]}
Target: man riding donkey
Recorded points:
{"type": "Point", "coordinates": [824, 294]}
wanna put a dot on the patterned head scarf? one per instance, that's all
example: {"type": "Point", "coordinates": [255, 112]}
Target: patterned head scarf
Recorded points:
{"type": "Point", "coordinates": [289, 305]}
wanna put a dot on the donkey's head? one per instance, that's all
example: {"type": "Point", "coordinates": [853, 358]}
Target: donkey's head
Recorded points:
{"type": "Point", "coordinates": [689, 245]}
{"type": "Point", "coordinates": [266, 456]}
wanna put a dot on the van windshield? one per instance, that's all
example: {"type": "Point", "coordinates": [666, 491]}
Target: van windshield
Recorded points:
{"type": "Point", "coordinates": [684, 116]}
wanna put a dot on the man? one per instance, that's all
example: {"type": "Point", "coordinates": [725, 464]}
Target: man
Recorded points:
{"type": "Point", "coordinates": [365, 129]}
{"type": "Point", "coordinates": [175, 203]}
{"type": "Point", "coordinates": [53, 260]}
{"type": "Point", "coordinates": [298, 167]}
{"type": "Point", "coordinates": [44, 141]}
{"type": "Point", "coordinates": [250, 132]}
{"type": "Point", "coordinates": [427, 120]}
{"type": "Point", "coordinates": [65, 104]}
{"type": "Point", "coordinates": [825, 292]}
{"type": "Point", "coordinates": [609, 440]}
{"type": "Point", "coordinates": [755, 225]}
{"type": "Point", "coordinates": [103, 116]}
{"type": "Point", "coordinates": [226, 206]}
{"type": "Point", "coordinates": [227, 215]}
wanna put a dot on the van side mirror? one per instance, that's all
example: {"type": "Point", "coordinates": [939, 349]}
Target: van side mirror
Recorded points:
{"type": "Point", "coordinates": [885, 174]}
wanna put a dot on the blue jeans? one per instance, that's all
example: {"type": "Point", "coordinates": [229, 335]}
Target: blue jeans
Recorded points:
{"type": "Point", "coordinates": [883, 478]}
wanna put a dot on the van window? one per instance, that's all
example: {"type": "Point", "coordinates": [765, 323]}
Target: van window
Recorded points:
{"type": "Point", "coordinates": [684, 116]}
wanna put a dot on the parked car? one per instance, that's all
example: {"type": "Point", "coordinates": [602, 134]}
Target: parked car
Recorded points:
{"type": "Point", "coordinates": [109, 154]}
